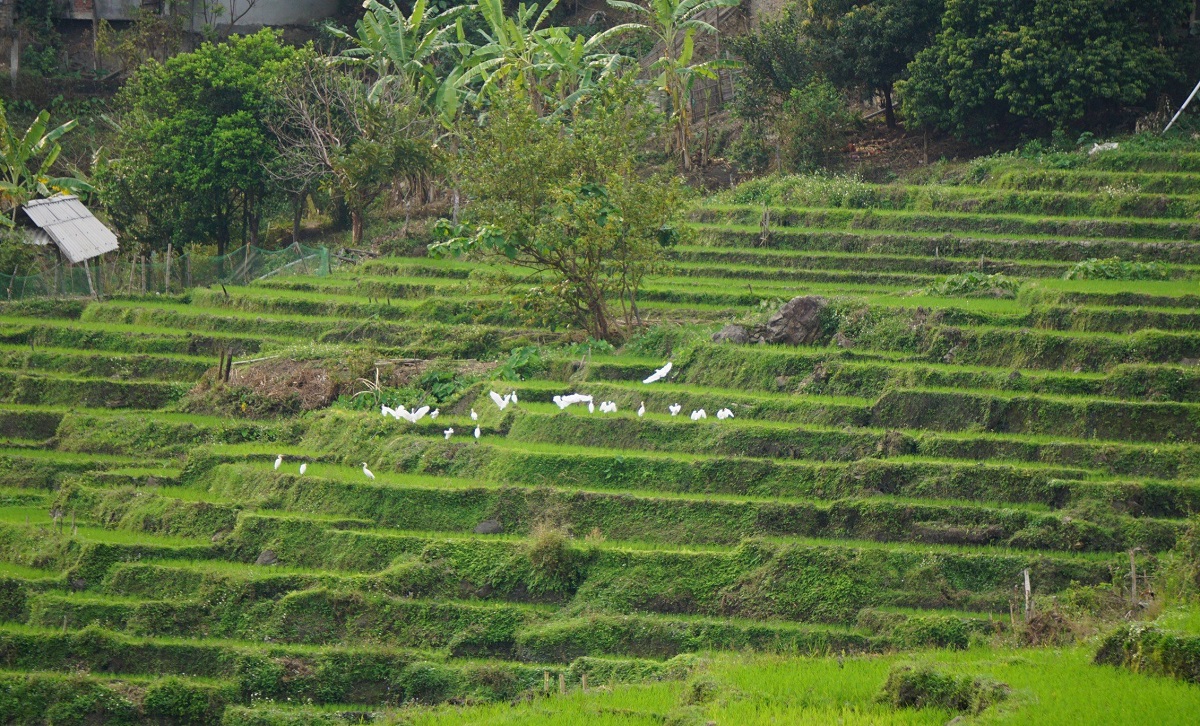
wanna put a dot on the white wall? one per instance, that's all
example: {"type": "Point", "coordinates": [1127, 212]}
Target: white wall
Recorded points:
{"type": "Point", "coordinates": [264, 12]}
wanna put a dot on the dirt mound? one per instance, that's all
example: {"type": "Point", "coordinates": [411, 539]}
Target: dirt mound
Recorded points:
{"type": "Point", "coordinates": [310, 383]}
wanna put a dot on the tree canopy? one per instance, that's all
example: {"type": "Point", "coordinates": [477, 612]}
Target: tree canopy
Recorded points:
{"type": "Point", "coordinates": [1050, 64]}
{"type": "Point", "coordinates": [192, 154]}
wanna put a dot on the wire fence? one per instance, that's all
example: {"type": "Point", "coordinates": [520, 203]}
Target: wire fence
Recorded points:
{"type": "Point", "coordinates": [164, 273]}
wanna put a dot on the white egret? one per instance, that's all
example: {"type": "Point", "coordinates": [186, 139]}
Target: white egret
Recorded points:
{"type": "Point", "coordinates": [434, 414]}
{"type": "Point", "coordinates": [474, 416]}
{"type": "Point", "coordinates": [476, 433]}
{"type": "Point", "coordinates": [278, 462]}
{"type": "Point", "coordinates": [386, 411]}
{"type": "Point", "coordinates": [448, 433]}
{"type": "Point", "coordinates": [591, 407]}
{"type": "Point", "coordinates": [419, 414]}
{"type": "Point", "coordinates": [513, 396]}
{"type": "Point", "coordinates": [367, 472]}
{"type": "Point", "coordinates": [699, 414]}
{"type": "Point", "coordinates": [675, 408]}
{"type": "Point", "coordinates": [659, 374]}
{"type": "Point", "coordinates": [303, 468]}
{"type": "Point", "coordinates": [642, 409]}
{"type": "Point", "coordinates": [500, 401]}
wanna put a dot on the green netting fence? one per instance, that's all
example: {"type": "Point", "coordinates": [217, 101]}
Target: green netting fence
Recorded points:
{"type": "Point", "coordinates": [165, 274]}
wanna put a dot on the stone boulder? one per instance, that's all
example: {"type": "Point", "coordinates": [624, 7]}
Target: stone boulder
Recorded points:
{"type": "Point", "coordinates": [267, 557]}
{"type": "Point", "coordinates": [489, 526]}
{"type": "Point", "coordinates": [798, 322]}
{"type": "Point", "coordinates": [732, 334]}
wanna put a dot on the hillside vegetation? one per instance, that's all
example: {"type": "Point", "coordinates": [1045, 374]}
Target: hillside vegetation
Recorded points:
{"type": "Point", "coordinates": [967, 414]}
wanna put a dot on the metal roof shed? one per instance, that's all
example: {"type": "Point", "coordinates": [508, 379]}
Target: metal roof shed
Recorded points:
{"type": "Point", "coordinates": [65, 222]}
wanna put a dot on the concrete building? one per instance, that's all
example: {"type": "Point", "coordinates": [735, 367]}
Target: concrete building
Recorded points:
{"type": "Point", "coordinates": [244, 13]}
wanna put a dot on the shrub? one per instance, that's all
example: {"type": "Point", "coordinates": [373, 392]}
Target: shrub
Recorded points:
{"type": "Point", "coordinates": [920, 686]}
{"type": "Point", "coordinates": [556, 567]}
{"type": "Point", "coordinates": [815, 123]}
{"type": "Point", "coordinates": [1114, 268]}
{"type": "Point", "coordinates": [975, 284]}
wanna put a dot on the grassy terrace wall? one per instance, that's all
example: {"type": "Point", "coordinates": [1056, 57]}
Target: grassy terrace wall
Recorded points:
{"type": "Point", "coordinates": [881, 490]}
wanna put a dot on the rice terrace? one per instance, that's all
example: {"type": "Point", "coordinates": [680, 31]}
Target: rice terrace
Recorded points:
{"type": "Point", "coordinates": [660, 362]}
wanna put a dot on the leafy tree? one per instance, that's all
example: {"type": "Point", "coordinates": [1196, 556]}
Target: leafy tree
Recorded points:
{"type": "Point", "coordinates": [565, 197]}
{"type": "Point", "coordinates": [1052, 64]}
{"type": "Point", "coordinates": [869, 43]}
{"type": "Point", "coordinates": [674, 24]}
{"type": "Point", "coordinates": [26, 162]}
{"type": "Point", "coordinates": [192, 153]}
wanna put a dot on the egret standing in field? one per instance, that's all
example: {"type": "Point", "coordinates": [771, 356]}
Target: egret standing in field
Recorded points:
{"type": "Point", "coordinates": [367, 472]}
{"type": "Point", "coordinates": [591, 407]}
{"type": "Point", "coordinates": [434, 414]}
{"type": "Point", "coordinates": [675, 408]}
{"type": "Point", "coordinates": [303, 468]}
{"type": "Point", "coordinates": [642, 409]}
{"type": "Point", "coordinates": [699, 414]}
{"type": "Point", "coordinates": [278, 462]}
{"type": "Point", "coordinates": [448, 433]}
{"type": "Point", "coordinates": [474, 416]}
{"type": "Point", "coordinates": [659, 374]}
{"type": "Point", "coordinates": [724, 414]}
{"type": "Point", "coordinates": [477, 433]}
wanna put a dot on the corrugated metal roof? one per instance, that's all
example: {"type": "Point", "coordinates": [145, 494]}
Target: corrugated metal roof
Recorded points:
{"type": "Point", "coordinates": [78, 234]}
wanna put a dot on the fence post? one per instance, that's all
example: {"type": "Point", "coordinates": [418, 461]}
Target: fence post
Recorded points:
{"type": "Point", "coordinates": [167, 276]}
{"type": "Point", "coordinates": [87, 271]}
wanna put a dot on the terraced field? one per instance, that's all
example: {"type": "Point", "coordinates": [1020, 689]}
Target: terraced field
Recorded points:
{"type": "Point", "coordinates": [882, 490]}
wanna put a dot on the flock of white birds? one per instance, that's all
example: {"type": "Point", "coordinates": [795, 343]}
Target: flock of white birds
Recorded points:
{"type": "Point", "coordinates": [503, 402]}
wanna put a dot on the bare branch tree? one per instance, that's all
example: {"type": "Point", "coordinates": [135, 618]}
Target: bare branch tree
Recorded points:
{"type": "Point", "coordinates": [336, 132]}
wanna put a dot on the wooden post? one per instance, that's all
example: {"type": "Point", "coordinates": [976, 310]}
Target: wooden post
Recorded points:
{"type": "Point", "coordinates": [87, 270]}
{"type": "Point", "coordinates": [1132, 580]}
{"type": "Point", "coordinates": [546, 682]}
{"type": "Point", "coordinates": [167, 277]}
{"type": "Point", "coordinates": [1028, 592]}
{"type": "Point", "coordinates": [583, 682]}
{"type": "Point", "coordinates": [14, 57]}
{"type": "Point", "coordinates": [562, 682]}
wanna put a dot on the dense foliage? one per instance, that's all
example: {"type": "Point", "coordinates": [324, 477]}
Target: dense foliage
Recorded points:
{"type": "Point", "coordinates": [1052, 64]}
{"type": "Point", "coordinates": [191, 159]}
{"type": "Point", "coordinates": [566, 196]}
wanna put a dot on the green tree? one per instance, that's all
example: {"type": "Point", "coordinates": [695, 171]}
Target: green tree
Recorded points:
{"type": "Point", "coordinates": [1044, 64]}
{"type": "Point", "coordinates": [192, 155]}
{"type": "Point", "coordinates": [565, 198]}
{"type": "Point", "coordinates": [869, 43]}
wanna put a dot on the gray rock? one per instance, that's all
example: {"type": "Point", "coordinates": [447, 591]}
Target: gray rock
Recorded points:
{"type": "Point", "coordinates": [489, 526]}
{"type": "Point", "coordinates": [732, 334]}
{"type": "Point", "coordinates": [798, 322]}
{"type": "Point", "coordinates": [267, 557]}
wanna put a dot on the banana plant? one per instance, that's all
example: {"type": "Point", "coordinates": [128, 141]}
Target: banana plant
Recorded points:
{"type": "Point", "coordinates": [510, 51]}
{"type": "Point", "coordinates": [570, 68]}
{"type": "Point", "coordinates": [401, 48]}
{"type": "Point", "coordinates": [26, 161]}
{"type": "Point", "coordinates": [674, 24]}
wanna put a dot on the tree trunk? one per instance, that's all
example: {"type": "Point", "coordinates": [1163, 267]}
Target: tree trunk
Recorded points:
{"type": "Point", "coordinates": [297, 215]}
{"type": "Point", "coordinates": [888, 108]}
{"type": "Point", "coordinates": [356, 227]}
